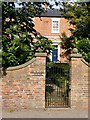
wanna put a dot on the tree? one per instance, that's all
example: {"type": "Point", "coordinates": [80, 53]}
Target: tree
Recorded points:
{"type": "Point", "coordinates": [78, 15]}
{"type": "Point", "coordinates": [18, 31]}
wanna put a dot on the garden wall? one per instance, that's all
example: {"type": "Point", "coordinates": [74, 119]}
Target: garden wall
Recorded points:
{"type": "Point", "coordinates": [80, 77]}
{"type": "Point", "coordinates": [24, 86]}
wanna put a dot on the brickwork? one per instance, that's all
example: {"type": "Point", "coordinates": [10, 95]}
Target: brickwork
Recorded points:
{"type": "Point", "coordinates": [0, 91]}
{"type": "Point", "coordinates": [24, 86]}
{"type": "Point", "coordinates": [79, 76]}
{"type": "Point", "coordinates": [44, 26]}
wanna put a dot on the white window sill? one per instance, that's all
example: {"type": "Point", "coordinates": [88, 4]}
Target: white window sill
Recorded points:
{"type": "Point", "coordinates": [55, 32]}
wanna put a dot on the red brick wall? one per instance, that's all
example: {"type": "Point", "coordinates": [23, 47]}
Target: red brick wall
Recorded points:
{"type": "Point", "coordinates": [44, 26]}
{"type": "Point", "coordinates": [79, 76]}
{"type": "Point", "coordinates": [24, 86]}
{"type": "Point", "coordinates": [0, 92]}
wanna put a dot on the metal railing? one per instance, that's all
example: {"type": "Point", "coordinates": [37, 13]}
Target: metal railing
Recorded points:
{"type": "Point", "coordinates": [57, 85]}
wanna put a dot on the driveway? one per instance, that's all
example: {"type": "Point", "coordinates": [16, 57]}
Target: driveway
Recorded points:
{"type": "Point", "coordinates": [46, 113]}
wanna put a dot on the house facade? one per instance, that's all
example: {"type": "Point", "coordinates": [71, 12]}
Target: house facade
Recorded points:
{"type": "Point", "coordinates": [51, 25]}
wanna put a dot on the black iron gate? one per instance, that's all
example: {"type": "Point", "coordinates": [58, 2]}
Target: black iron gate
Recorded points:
{"type": "Point", "coordinates": [57, 85]}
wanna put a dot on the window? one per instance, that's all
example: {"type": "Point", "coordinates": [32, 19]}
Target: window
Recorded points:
{"type": "Point", "coordinates": [55, 25]}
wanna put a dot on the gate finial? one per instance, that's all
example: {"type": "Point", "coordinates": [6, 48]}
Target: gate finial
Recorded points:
{"type": "Point", "coordinates": [75, 50]}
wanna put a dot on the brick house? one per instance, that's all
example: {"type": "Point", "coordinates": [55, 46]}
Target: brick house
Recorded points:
{"type": "Point", "coordinates": [51, 25]}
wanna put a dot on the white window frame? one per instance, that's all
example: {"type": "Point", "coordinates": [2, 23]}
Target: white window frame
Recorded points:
{"type": "Point", "coordinates": [58, 20]}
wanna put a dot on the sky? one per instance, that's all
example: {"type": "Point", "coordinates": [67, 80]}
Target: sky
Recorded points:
{"type": "Point", "coordinates": [50, 1]}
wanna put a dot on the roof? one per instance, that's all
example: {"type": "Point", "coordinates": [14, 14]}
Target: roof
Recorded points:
{"type": "Point", "coordinates": [51, 13]}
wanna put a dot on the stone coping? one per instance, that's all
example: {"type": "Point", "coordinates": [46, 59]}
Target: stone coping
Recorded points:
{"type": "Point", "coordinates": [85, 62]}
{"type": "Point", "coordinates": [40, 54]}
{"type": "Point", "coordinates": [27, 63]}
{"type": "Point", "coordinates": [75, 56]}
{"type": "Point", "coordinates": [79, 56]}
{"type": "Point", "coordinates": [21, 66]}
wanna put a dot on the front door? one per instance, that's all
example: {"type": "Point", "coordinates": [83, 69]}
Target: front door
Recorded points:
{"type": "Point", "coordinates": [55, 55]}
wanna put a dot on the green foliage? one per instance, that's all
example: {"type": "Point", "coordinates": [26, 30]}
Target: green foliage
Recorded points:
{"type": "Point", "coordinates": [18, 31]}
{"type": "Point", "coordinates": [84, 48]}
{"type": "Point", "coordinates": [78, 15]}
{"type": "Point", "coordinates": [57, 79]}
{"type": "Point", "coordinates": [57, 74]}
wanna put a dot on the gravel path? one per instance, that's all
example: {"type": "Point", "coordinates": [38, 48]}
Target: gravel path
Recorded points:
{"type": "Point", "coordinates": [53, 113]}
